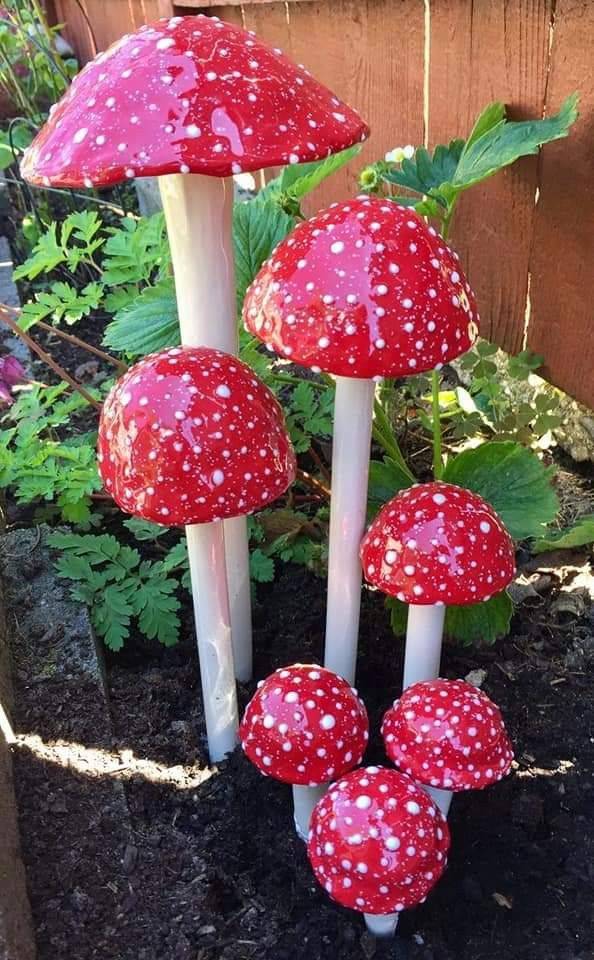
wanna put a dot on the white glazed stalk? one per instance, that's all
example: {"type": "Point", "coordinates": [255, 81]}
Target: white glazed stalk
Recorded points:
{"type": "Point", "coordinates": [381, 925]}
{"type": "Point", "coordinates": [353, 414]}
{"type": "Point", "coordinates": [304, 800]}
{"type": "Point", "coordinates": [424, 633]}
{"type": "Point", "coordinates": [206, 550]}
{"type": "Point", "coordinates": [442, 798]}
{"type": "Point", "coordinates": [199, 215]}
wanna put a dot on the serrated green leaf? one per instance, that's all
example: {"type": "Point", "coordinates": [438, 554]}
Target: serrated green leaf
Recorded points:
{"type": "Point", "coordinates": [156, 608]}
{"type": "Point", "coordinates": [258, 226]}
{"type": "Point", "coordinates": [148, 324]}
{"type": "Point", "coordinates": [425, 173]}
{"type": "Point", "coordinates": [478, 623]}
{"type": "Point", "coordinates": [579, 534]}
{"type": "Point", "coordinates": [47, 254]}
{"type": "Point", "coordinates": [297, 180]}
{"type": "Point", "coordinates": [144, 529]}
{"type": "Point", "coordinates": [492, 114]}
{"type": "Point", "coordinates": [261, 567]}
{"type": "Point", "coordinates": [512, 480]}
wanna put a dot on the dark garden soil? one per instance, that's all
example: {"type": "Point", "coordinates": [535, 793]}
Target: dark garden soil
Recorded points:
{"type": "Point", "coordinates": [209, 868]}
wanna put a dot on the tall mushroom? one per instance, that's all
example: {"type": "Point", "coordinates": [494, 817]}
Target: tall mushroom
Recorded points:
{"type": "Point", "coordinates": [378, 845]}
{"type": "Point", "coordinates": [364, 290]}
{"type": "Point", "coordinates": [431, 545]}
{"type": "Point", "coordinates": [190, 436]}
{"type": "Point", "coordinates": [193, 100]}
{"type": "Point", "coordinates": [304, 726]}
{"type": "Point", "coordinates": [448, 736]}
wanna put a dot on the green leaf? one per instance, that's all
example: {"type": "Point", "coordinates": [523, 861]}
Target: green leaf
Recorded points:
{"type": "Point", "coordinates": [512, 480]}
{"type": "Point", "coordinates": [135, 251]}
{"type": "Point", "coordinates": [144, 529]}
{"type": "Point", "coordinates": [258, 226]}
{"type": "Point", "coordinates": [385, 480]}
{"type": "Point", "coordinates": [47, 254]}
{"type": "Point", "coordinates": [579, 534]}
{"type": "Point", "coordinates": [504, 142]}
{"type": "Point", "coordinates": [149, 324]}
{"type": "Point", "coordinates": [299, 179]}
{"type": "Point", "coordinates": [493, 114]}
{"type": "Point", "coordinates": [155, 606]}
{"type": "Point", "coordinates": [425, 173]}
{"type": "Point", "coordinates": [261, 567]}
{"type": "Point", "coordinates": [478, 623]}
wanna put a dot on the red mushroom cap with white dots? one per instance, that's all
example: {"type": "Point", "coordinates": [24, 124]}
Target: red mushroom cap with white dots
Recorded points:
{"type": "Point", "coordinates": [304, 726]}
{"type": "Point", "coordinates": [187, 95]}
{"type": "Point", "coordinates": [191, 435]}
{"type": "Point", "coordinates": [377, 842]}
{"type": "Point", "coordinates": [436, 543]}
{"type": "Point", "coordinates": [447, 734]}
{"type": "Point", "coordinates": [364, 289]}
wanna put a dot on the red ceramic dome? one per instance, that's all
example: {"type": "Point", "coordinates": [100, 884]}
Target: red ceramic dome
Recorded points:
{"type": "Point", "coordinates": [363, 289]}
{"type": "Point", "coordinates": [438, 543]}
{"type": "Point", "coordinates": [304, 725]}
{"type": "Point", "coordinates": [187, 95]}
{"type": "Point", "coordinates": [447, 734]}
{"type": "Point", "coordinates": [191, 435]}
{"type": "Point", "coordinates": [377, 843]}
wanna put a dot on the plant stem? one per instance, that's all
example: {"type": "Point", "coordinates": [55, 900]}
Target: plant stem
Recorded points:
{"type": "Point", "coordinates": [313, 483]}
{"type": "Point", "coordinates": [437, 456]}
{"type": "Point", "coordinates": [384, 436]}
{"type": "Point", "coordinates": [47, 359]}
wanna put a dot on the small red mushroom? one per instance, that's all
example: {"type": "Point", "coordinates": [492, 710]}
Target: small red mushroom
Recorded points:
{"type": "Point", "coordinates": [189, 436]}
{"type": "Point", "coordinates": [378, 844]}
{"type": "Point", "coordinates": [431, 545]}
{"type": "Point", "coordinates": [304, 726]}
{"type": "Point", "coordinates": [447, 735]}
{"type": "Point", "coordinates": [193, 100]}
{"type": "Point", "coordinates": [364, 290]}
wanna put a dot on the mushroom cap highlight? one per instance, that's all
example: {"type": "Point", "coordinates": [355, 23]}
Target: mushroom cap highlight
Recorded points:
{"type": "Point", "coordinates": [447, 734]}
{"type": "Point", "coordinates": [191, 435]}
{"type": "Point", "coordinates": [377, 842]}
{"type": "Point", "coordinates": [187, 95]}
{"type": "Point", "coordinates": [436, 543]}
{"type": "Point", "coordinates": [363, 289]}
{"type": "Point", "coordinates": [304, 725]}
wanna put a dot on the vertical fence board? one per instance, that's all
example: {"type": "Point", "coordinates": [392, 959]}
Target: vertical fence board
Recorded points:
{"type": "Point", "coordinates": [563, 249]}
{"type": "Point", "coordinates": [480, 52]}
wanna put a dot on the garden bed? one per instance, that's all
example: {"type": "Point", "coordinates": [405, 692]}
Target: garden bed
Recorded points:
{"type": "Point", "coordinates": [205, 865]}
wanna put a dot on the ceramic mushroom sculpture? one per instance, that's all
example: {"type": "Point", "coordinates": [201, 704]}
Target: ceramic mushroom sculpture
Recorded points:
{"type": "Point", "coordinates": [431, 545]}
{"type": "Point", "coordinates": [193, 100]}
{"type": "Point", "coordinates": [378, 844]}
{"type": "Point", "coordinates": [188, 437]}
{"type": "Point", "coordinates": [364, 290]}
{"type": "Point", "coordinates": [304, 726]}
{"type": "Point", "coordinates": [448, 736]}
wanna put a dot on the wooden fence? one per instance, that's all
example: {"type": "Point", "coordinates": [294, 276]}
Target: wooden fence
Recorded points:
{"type": "Point", "coordinates": [419, 71]}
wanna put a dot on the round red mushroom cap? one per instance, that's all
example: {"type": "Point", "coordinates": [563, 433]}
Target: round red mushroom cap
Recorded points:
{"type": "Point", "coordinates": [447, 734]}
{"type": "Point", "coordinates": [436, 543]}
{"type": "Point", "coordinates": [187, 95]}
{"type": "Point", "coordinates": [364, 289]}
{"type": "Point", "coordinates": [191, 435]}
{"type": "Point", "coordinates": [377, 842]}
{"type": "Point", "coordinates": [304, 725]}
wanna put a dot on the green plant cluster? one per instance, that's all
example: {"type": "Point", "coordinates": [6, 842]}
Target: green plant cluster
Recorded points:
{"type": "Point", "coordinates": [481, 437]}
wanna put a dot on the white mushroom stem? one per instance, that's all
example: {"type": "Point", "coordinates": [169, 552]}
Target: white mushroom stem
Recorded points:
{"type": "Point", "coordinates": [206, 550]}
{"type": "Point", "coordinates": [304, 800]}
{"type": "Point", "coordinates": [442, 798]}
{"type": "Point", "coordinates": [381, 925]}
{"type": "Point", "coordinates": [353, 414]}
{"type": "Point", "coordinates": [199, 215]}
{"type": "Point", "coordinates": [424, 633]}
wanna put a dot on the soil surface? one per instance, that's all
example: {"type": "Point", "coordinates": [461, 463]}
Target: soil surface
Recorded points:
{"type": "Point", "coordinates": [205, 865]}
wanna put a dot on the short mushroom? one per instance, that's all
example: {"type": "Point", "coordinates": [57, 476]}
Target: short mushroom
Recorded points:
{"type": "Point", "coordinates": [304, 726]}
{"type": "Point", "coordinates": [448, 736]}
{"type": "Point", "coordinates": [190, 436]}
{"type": "Point", "coordinates": [364, 290]}
{"type": "Point", "coordinates": [193, 100]}
{"type": "Point", "coordinates": [431, 545]}
{"type": "Point", "coordinates": [378, 844]}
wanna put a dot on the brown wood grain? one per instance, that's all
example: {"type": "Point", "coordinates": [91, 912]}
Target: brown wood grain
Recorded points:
{"type": "Point", "coordinates": [562, 261]}
{"type": "Point", "coordinates": [480, 52]}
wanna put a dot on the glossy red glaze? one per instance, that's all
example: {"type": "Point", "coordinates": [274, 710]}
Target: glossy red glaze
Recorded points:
{"type": "Point", "coordinates": [191, 435]}
{"type": "Point", "coordinates": [377, 842]}
{"type": "Point", "coordinates": [304, 725]}
{"type": "Point", "coordinates": [438, 543]}
{"type": "Point", "coordinates": [447, 734]}
{"type": "Point", "coordinates": [187, 95]}
{"type": "Point", "coordinates": [363, 289]}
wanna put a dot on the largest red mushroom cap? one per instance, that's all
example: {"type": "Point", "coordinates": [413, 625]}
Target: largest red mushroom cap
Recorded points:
{"type": "Point", "coordinates": [188, 95]}
{"type": "Point", "coordinates": [363, 289]}
{"type": "Point", "coordinates": [436, 543]}
{"type": "Point", "coordinates": [447, 734]}
{"type": "Point", "coordinates": [191, 435]}
{"type": "Point", "coordinates": [377, 841]}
